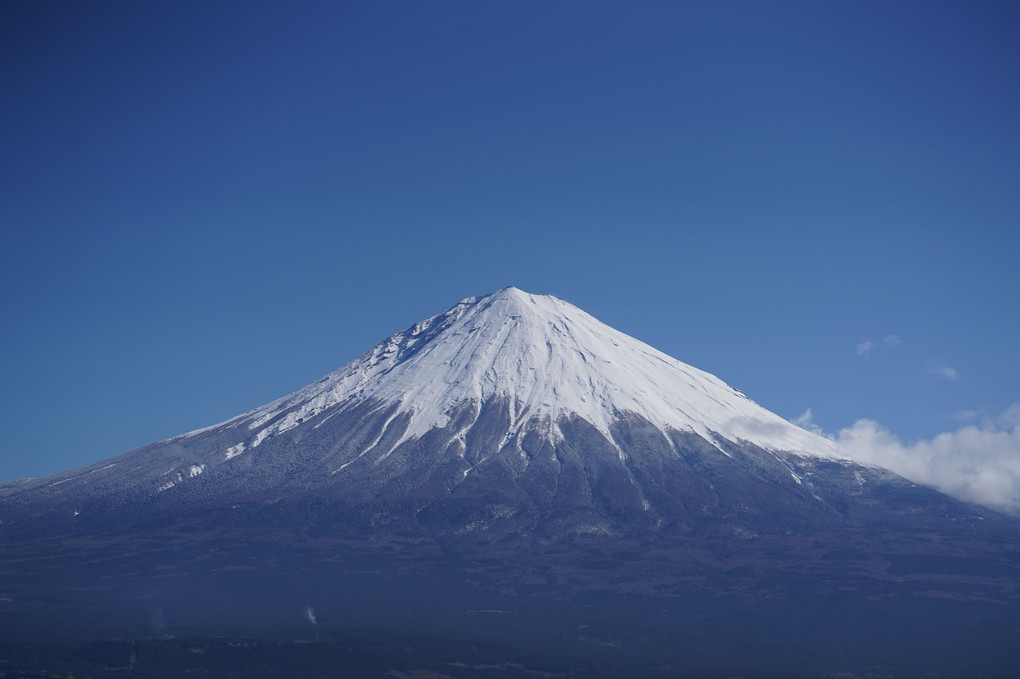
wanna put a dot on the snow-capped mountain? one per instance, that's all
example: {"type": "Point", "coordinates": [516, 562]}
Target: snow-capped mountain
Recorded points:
{"type": "Point", "coordinates": [512, 413]}
{"type": "Point", "coordinates": [511, 382]}
{"type": "Point", "coordinates": [515, 469]}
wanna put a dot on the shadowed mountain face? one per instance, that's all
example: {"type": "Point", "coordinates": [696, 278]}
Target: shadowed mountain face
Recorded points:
{"type": "Point", "coordinates": [513, 470]}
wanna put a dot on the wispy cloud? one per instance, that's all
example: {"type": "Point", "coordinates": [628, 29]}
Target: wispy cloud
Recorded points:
{"type": "Point", "coordinates": [978, 463]}
{"type": "Point", "coordinates": [807, 421]}
{"type": "Point", "coordinates": [806, 418]}
{"type": "Point", "coordinates": [867, 346]}
{"type": "Point", "coordinates": [940, 369]}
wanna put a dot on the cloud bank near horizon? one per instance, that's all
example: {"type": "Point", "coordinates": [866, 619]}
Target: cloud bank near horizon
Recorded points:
{"type": "Point", "coordinates": [978, 463]}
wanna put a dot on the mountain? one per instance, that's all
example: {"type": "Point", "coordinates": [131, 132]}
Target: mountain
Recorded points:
{"type": "Point", "coordinates": [513, 467]}
{"type": "Point", "coordinates": [495, 383]}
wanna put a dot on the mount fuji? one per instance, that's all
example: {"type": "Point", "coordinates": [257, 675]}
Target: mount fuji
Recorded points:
{"type": "Point", "coordinates": [515, 469]}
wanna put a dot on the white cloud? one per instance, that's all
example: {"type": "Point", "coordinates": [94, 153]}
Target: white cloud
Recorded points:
{"type": "Point", "coordinates": [977, 463]}
{"type": "Point", "coordinates": [1010, 417]}
{"type": "Point", "coordinates": [942, 370]}
{"type": "Point", "coordinates": [807, 421]}
{"type": "Point", "coordinates": [867, 346]}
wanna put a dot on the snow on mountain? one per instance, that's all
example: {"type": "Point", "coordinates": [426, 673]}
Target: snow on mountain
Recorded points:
{"type": "Point", "coordinates": [548, 359]}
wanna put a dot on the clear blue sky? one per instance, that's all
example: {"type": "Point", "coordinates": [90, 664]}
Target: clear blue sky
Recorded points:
{"type": "Point", "coordinates": [207, 205]}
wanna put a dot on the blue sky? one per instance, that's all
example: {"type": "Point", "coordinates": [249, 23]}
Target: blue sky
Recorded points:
{"type": "Point", "coordinates": [208, 205]}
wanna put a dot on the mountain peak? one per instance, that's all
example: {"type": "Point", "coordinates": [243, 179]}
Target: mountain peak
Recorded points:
{"type": "Point", "coordinates": [512, 300]}
{"type": "Point", "coordinates": [545, 358]}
